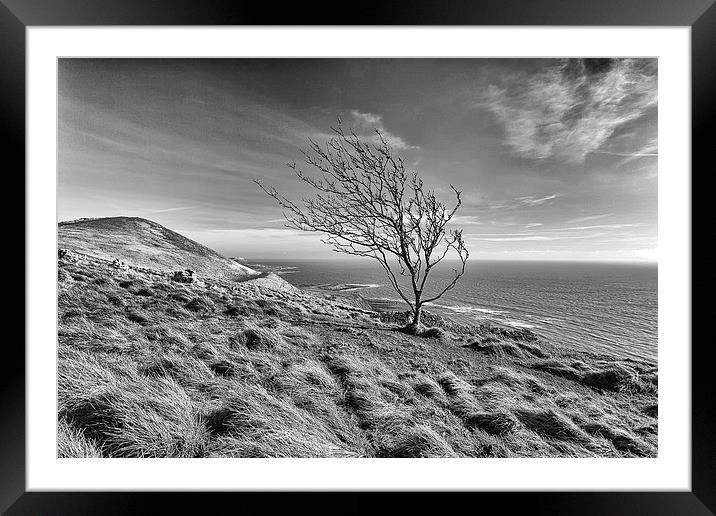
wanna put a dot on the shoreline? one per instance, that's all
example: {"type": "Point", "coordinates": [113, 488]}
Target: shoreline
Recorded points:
{"type": "Point", "coordinates": [456, 316]}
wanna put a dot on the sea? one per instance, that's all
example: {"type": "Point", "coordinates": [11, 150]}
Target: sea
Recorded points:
{"type": "Point", "coordinates": [606, 308]}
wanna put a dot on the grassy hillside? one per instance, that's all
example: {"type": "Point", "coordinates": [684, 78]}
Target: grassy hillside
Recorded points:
{"type": "Point", "coordinates": [143, 243]}
{"type": "Point", "coordinates": [153, 368]}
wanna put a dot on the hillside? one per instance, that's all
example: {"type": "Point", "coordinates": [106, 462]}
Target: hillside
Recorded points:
{"type": "Point", "coordinates": [143, 243]}
{"type": "Point", "coordinates": [149, 367]}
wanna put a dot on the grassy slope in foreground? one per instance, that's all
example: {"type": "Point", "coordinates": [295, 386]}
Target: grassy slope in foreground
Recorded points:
{"type": "Point", "coordinates": [153, 368]}
{"type": "Point", "coordinates": [144, 243]}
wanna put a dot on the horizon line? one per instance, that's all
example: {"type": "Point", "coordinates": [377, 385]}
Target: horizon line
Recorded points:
{"type": "Point", "coordinates": [556, 260]}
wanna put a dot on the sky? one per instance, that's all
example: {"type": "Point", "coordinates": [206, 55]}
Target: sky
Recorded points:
{"type": "Point", "coordinates": [556, 158]}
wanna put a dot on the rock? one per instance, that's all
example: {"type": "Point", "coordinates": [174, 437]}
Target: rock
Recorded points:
{"type": "Point", "coordinates": [185, 276]}
{"type": "Point", "coordinates": [119, 264]}
{"type": "Point", "coordinates": [64, 253]}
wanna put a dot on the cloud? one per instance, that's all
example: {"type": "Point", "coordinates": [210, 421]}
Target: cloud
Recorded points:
{"type": "Point", "coordinates": [466, 219]}
{"type": "Point", "coordinates": [614, 232]}
{"type": "Point", "coordinates": [532, 238]}
{"type": "Point", "coordinates": [650, 150]}
{"type": "Point", "coordinates": [532, 200]}
{"type": "Point", "coordinates": [260, 242]}
{"type": "Point", "coordinates": [263, 232]}
{"type": "Point", "coordinates": [588, 218]}
{"type": "Point", "coordinates": [601, 226]}
{"type": "Point", "coordinates": [630, 154]}
{"type": "Point", "coordinates": [365, 124]}
{"type": "Point", "coordinates": [167, 210]}
{"type": "Point", "coordinates": [521, 202]}
{"type": "Point", "coordinates": [571, 109]}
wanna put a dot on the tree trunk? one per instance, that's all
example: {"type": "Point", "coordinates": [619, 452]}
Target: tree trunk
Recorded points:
{"type": "Point", "coordinates": [416, 315]}
{"type": "Point", "coordinates": [414, 327]}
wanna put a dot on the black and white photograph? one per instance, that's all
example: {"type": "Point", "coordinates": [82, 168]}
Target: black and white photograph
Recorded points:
{"type": "Point", "coordinates": [357, 257]}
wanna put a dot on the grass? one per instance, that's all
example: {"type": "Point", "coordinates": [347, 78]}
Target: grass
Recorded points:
{"type": "Point", "coordinates": [146, 244]}
{"type": "Point", "coordinates": [152, 368]}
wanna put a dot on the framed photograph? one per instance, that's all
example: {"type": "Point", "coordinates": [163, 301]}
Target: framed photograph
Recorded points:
{"type": "Point", "coordinates": [423, 249]}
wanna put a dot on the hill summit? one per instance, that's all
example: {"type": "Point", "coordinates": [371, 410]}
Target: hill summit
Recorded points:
{"type": "Point", "coordinates": [143, 243]}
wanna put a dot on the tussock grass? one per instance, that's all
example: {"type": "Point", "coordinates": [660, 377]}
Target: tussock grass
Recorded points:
{"type": "Point", "coordinates": [558, 369]}
{"type": "Point", "coordinates": [168, 338]}
{"type": "Point", "coordinates": [255, 337]}
{"type": "Point", "coordinates": [223, 368]}
{"type": "Point", "coordinates": [123, 424]}
{"type": "Point", "coordinates": [201, 305]}
{"type": "Point", "coordinates": [138, 317]}
{"type": "Point", "coordinates": [486, 415]}
{"type": "Point", "coordinates": [621, 439]}
{"type": "Point", "coordinates": [343, 366]}
{"type": "Point", "coordinates": [72, 443]}
{"type": "Point", "coordinates": [427, 387]}
{"type": "Point", "coordinates": [181, 296]}
{"type": "Point", "coordinates": [237, 310]}
{"type": "Point", "coordinates": [272, 308]}
{"type": "Point", "coordinates": [419, 441]}
{"type": "Point", "coordinates": [163, 366]}
{"type": "Point", "coordinates": [651, 410]}
{"type": "Point", "coordinates": [255, 423]}
{"type": "Point", "coordinates": [453, 385]}
{"type": "Point", "coordinates": [83, 334]}
{"type": "Point", "coordinates": [552, 424]}
{"type": "Point", "coordinates": [495, 347]}
{"type": "Point", "coordinates": [531, 349]}
{"type": "Point", "coordinates": [398, 388]}
{"type": "Point", "coordinates": [433, 333]}
{"type": "Point", "coordinates": [79, 372]}
{"type": "Point", "coordinates": [496, 423]}
{"type": "Point", "coordinates": [648, 431]}
{"type": "Point", "coordinates": [614, 377]}
{"type": "Point", "coordinates": [151, 368]}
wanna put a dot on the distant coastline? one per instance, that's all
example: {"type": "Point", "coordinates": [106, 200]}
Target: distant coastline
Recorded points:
{"type": "Point", "coordinates": [609, 307]}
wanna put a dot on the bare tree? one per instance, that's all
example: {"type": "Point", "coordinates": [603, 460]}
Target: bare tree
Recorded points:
{"type": "Point", "coordinates": [367, 204]}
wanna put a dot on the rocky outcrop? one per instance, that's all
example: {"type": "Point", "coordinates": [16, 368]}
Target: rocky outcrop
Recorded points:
{"type": "Point", "coordinates": [119, 264]}
{"type": "Point", "coordinates": [185, 276]}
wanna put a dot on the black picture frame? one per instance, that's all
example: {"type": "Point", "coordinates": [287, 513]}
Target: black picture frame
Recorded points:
{"type": "Point", "coordinates": [17, 15]}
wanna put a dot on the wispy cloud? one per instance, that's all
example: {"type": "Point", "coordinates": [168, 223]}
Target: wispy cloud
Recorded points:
{"type": "Point", "coordinates": [527, 201]}
{"type": "Point", "coordinates": [365, 124]}
{"type": "Point", "coordinates": [571, 109]}
{"type": "Point", "coordinates": [531, 238]}
{"type": "Point", "coordinates": [167, 210]}
{"type": "Point", "coordinates": [602, 226]}
{"type": "Point", "coordinates": [647, 150]}
{"type": "Point", "coordinates": [629, 154]}
{"type": "Point", "coordinates": [466, 219]}
{"type": "Point", "coordinates": [264, 232]}
{"type": "Point", "coordinates": [611, 232]}
{"type": "Point", "coordinates": [531, 200]}
{"type": "Point", "coordinates": [650, 150]}
{"type": "Point", "coordinates": [589, 217]}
